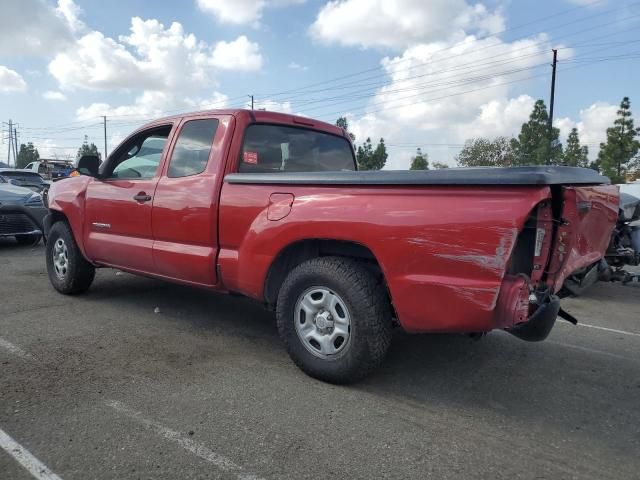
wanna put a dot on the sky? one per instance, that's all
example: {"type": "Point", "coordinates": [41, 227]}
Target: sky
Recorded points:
{"type": "Point", "coordinates": [419, 73]}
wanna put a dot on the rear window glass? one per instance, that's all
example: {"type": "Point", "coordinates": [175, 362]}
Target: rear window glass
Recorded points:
{"type": "Point", "coordinates": [191, 153]}
{"type": "Point", "coordinates": [277, 148]}
{"type": "Point", "coordinates": [27, 177]}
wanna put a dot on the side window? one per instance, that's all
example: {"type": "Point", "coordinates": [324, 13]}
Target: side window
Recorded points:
{"type": "Point", "coordinates": [191, 152]}
{"type": "Point", "coordinates": [279, 148]}
{"type": "Point", "coordinates": [140, 156]}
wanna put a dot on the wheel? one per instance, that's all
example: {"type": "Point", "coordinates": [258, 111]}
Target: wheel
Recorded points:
{"type": "Point", "coordinates": [28, 239]}
{"type": "Point", "coordinates": [334, 318]}
{"type": "Point", "coordinates": [69, 272]}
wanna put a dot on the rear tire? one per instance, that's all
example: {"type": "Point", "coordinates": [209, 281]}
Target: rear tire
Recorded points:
{"type": "Point", "coordinates": [335, 319]}
{"type": "Point", "coordinates": [69, 272]}
{"type": "Point", "coordinates": [28, 239]}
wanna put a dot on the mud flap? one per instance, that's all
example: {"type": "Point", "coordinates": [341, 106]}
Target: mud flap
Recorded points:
{"type": "Point", "coordinates": [539, 325]}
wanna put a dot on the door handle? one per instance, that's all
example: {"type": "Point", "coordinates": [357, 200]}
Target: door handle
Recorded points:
{"type": "Point", "coordinates": [142, 197]}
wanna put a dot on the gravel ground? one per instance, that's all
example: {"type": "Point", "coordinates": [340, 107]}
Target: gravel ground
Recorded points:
{"type": "Point", "coordinates": [102, 386]}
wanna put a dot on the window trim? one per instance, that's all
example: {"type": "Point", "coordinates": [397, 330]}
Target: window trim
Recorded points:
{"type": "Point", "coordinates": [238, 159]}
{"type": "Point", "coordinates": [174, 143]}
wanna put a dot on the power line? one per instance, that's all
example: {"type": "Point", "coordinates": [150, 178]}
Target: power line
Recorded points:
{"type": "Point", "coordinates": [493, 35]}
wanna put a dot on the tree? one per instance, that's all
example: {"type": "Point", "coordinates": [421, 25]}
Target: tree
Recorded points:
{"type": "Point", "coordinates": [87, 149]}
{"type": "Point", "coordinates": [370, 159]}
{"type": "Point", "coordinates": [536, 145]}
{"type": "Point", "coordinates": [364, 154]}
{"type": "Point", "coordinates": [420, 161]}
{"type": "Point", "coordinates": [575, 154]}
{"type": "Point", "coordinates": [343, 123]}
{"type": "Point", "coordinates": [27, 154]}
{"type": "Point", "coordinates": [482, 152]}
{"type": "Point", "coordinates": [616, 156]}
{"type": "Point", "coordinates": [439, 165]}
{"type": "Point", "coordinates": [380, 156]}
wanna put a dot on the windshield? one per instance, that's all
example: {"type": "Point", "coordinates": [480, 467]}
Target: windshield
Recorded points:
{"type": "Point", "coordinates": [278, 148]}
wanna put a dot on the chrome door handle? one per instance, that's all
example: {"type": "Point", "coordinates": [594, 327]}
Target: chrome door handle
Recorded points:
{"type": "Point", "coordinates": [142, 197]}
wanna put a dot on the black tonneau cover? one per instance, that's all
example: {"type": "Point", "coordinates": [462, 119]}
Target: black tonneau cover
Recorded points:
{"type": "Point", "coordinates": [446, 176]}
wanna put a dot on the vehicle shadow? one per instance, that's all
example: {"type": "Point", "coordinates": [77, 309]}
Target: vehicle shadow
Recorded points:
{"type": "Point", "coordinates": [10, 244]}
{"type": "Point", "coordinates": [566, 390]}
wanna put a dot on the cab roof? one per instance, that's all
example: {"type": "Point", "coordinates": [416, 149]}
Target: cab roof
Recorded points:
{"type": "Point", "coordinates": [255, 116]}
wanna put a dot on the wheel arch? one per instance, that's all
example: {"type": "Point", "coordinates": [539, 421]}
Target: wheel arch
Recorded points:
{"type": "Point", "coordinates": [300, 251]}
{"type": "Point", "coordinates": [52, 217]}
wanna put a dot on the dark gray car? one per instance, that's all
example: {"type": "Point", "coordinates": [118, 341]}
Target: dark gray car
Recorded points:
{"type": "Point", "coordinates": [19, 207]}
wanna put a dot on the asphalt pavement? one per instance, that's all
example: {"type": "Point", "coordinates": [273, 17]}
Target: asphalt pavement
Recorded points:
{"type": "Point", "coordinates": [144, 379]}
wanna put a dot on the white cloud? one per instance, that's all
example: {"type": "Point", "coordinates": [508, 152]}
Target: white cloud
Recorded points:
{"type": "Point", "coordinates": [11, 81]}
{"type": "Point", "coordinates": [500, 117]}
{"type": "Point", "coordinates": [234, 11]}
{"type": "Point", "coordinates": [241, 12]}
{"type": "Point", "coordinates": [50, 148]}
{"type": "Point", "coordinates": [438, 84]}
{"type": "Point", "coordinates": [240, 54]}
{"type": "Point", "coordinates": [71, 13]}
{"type": "Point", "coordinates": [439, 94]}
{"type": "Point", "coordinates": [592, 125]}
{"type": "Point", "coordinates": [52, 95]}
{"type": "Point", "coordinates": [273, 106]}
{"type": "Point", "coordinates": [33, 27]}
{"type": "Point", "coordinates": [152, 57]}
{"type": "Point", "coordinates": [589, 3]}
{"type": "Point", "coordinates": [151, 104]}
{"type": "Point", "coordinates": [401, 23]}
{"type": "Point", "coordinates": [297, 66]}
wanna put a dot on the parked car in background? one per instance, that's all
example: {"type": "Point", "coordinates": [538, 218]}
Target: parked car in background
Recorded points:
{"type": "Point", "coordinates": [631, 188]}
{"type": "Point", "coordinates": [51, 169]}
{"type": "Point", "coordinates": [271, 206]}
{"type": "Point", "coordinates": [21, 211]}
{"type": "Point", "coordinates": [26, 178]}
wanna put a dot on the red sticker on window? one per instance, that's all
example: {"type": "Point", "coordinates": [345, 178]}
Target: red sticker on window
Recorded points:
{"type": "Point", "coordinates": [251, 157]}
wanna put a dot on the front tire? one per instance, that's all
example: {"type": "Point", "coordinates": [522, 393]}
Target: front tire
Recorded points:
{"type": "Point", "coordinates": [334, 318]}
{"type": "Point", "coordinates": [69, 272]}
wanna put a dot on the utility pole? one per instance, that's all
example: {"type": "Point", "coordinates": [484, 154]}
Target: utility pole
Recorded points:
{"type": "Point", "coordinates": [553, 143]}
{"type": "Point", "coordinates": [104, 118]}
{"type": "Point", "coordinates": [15, 148]}
{"type": "Point", "coordinates": [553, 87]}
{"type": "Point", "coordinates": [10, 144]}
{"type": "Point", "coordinates": [251, 97]}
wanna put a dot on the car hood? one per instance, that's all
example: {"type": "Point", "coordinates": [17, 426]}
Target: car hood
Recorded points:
{"type": "Point", "coordinates": [14, 195]}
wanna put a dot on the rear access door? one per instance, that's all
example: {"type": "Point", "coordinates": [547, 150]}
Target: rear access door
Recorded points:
{"type": "Point", "coordinates": [185, 206]}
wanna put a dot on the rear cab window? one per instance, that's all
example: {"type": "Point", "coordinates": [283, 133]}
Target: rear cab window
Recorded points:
{"type": "Point", "coordinates": [269, 148]}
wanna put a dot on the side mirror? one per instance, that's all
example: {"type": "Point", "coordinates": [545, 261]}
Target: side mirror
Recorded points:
{"type": "Point", "coordinates": [89, 165]}
{"type": "Point", "coordinates": [15, 182]}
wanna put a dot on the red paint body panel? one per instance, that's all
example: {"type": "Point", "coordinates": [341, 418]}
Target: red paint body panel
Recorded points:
{"type": "Point", "coordinates": [128, 240]}
{"type": "Point", "coordinates": [443, 250]}
{"type": "Point", "coordinates": [587, 212]}
{"type": "Point", "coordinates": [185, 215]}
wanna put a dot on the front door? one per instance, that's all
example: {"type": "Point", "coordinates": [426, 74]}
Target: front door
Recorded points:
{"type": "Point", "coordinates": [118, 205]}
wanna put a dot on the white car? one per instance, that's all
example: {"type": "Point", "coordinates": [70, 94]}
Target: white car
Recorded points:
{"type": "Point", "coordinates": [631, 188]}
{"type": "Point", "coordinates": [50, 169]}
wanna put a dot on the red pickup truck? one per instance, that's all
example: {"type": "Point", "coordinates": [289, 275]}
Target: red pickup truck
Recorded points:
{"type": "Point", "coordinates": [271, 206]}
